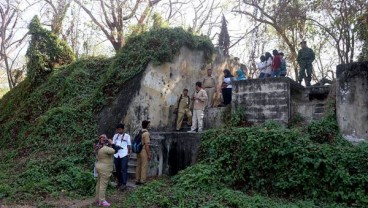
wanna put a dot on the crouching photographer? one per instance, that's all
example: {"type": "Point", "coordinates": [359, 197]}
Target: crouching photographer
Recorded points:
{"type": "Point", "coordinates": [104, 150]}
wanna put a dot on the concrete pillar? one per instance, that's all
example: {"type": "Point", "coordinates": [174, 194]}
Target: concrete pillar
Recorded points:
{"type": "Point", "coordinates": [352, 100]}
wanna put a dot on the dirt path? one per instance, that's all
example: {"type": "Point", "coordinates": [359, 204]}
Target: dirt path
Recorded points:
{"type": "Point", "coordinates": [114, 197]}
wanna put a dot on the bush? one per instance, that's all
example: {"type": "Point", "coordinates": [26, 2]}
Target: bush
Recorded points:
{"type": "Point", "coordinates": [49, 126]}
{"type": "Point", "coordinates": [255, 159]}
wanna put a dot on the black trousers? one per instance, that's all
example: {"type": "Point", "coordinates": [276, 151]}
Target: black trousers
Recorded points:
{"type": "Point", "coordinates": [226, 94]}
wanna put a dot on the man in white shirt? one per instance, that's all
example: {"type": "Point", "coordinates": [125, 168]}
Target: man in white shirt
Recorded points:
{"type": "Point", "coordinates": [122, 140]}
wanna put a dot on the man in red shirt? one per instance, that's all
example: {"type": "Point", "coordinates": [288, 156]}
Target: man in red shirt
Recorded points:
{"type": "Point", "coordinates": [276, 64]}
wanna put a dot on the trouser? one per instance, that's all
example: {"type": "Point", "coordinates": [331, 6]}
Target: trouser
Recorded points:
{"type": "Point", "coordinates": [181, 117]}
{"type": "Point", "coordinates": [121, 166]}
{"type": "Point", "coordinates": [102, 181]}
{"type": "Point", "coordinates": [210, 92]}
{"type": "Point", "coordinates": [226, 94]}
{"type": "Point", "coordinates": [142, 167]}
{"type": "Point", "coordinates": [262, 75]}
{"type": "Point", "coordinates": [275, 73]}
{"type": "Point", "coordinates": [307, 77]}
{"type": "Point", "coordinates": [197, 120]}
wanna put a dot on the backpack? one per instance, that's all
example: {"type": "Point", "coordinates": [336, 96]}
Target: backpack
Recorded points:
{"type": "Point", "coordinates": [137, 145]}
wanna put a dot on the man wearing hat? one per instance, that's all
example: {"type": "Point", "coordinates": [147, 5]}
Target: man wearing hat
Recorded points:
{"type": "Point", "coordinates": [305, 58]}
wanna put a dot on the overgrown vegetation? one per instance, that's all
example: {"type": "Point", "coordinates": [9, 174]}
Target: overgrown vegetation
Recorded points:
{"type": "Point", "coordinates": [45, 52]}
{"type": "Point", "coordinates": [238, 165]}
{"type": "Point", "coordinates": [48, 128]}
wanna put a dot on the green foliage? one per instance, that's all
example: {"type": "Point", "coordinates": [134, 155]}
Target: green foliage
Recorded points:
{"type": "Point", "coordinates": [3, 91]}
{"type": "Point", "coordinates": [315, 171]}
{"type": "Point", "coordinates": [45, 52]}
{"type": "Point", "coordinates": [48, 128]}
{"type": "Point", "coordinates": [233, 119]}
{"type": "Point", "coordinates": [362, 28]}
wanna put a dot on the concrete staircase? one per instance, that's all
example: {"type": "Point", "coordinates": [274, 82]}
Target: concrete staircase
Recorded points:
{"type": "Point", "coordinates": [319, 111]}
{"type": "Point", "coordinates": [132, 164]}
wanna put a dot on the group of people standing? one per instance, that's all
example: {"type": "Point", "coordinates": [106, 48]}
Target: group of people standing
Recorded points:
{"type": "Point", "coordinates": [117, 151]}
{"type": "Point", "coordinates": [272, 66]}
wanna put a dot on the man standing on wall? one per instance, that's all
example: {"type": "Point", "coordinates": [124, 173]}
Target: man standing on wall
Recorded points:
{"type": "Point", "coordinates": [182, 108]}
{"type": "Point", "coordinates": [305, 59]}
{"type": "Point", "coordinates": [144, 156]}
{"type": "Point", "coordinates": [209, 85]}
{"type": "Point", "coordinates": [199, 98]}
{"type": "Point", "coordinates": [122, 140]}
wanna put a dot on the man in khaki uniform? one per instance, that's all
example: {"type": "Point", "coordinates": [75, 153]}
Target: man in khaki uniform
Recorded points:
{"type": "Point", "coordinates": [209, 85]}
{"type": "Point", "coordinates": [182, 107]}
{"type": "Point", "coordinates": [144, 156]}
{"type": "Point", "coordinates": [199, 99]}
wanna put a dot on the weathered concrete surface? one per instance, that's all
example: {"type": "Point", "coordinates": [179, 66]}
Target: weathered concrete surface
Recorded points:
{"type": "Point", "coordinates": [264, 99]}
{"type": "Point", "coordinates": [213, 118]}
{"type": "Point", "coordinates": [310, 104]}
{"type": "Point", "coordinates": [172, 152]}
{"type": "Point", "coordinates": [161, 85]}
{"type": "Point", "coordinates": [352, 100]}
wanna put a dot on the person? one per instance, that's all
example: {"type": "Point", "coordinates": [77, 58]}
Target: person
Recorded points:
{"type": "Point", "coordinates": [262, 67]}
{"type": "Point", "coordinates": [182, 108]}
{"type": "Point", "coordinates": [104, 167]}
{"type": "Point", "coordinates": [283, 70]}
{"type": "Point", "coordinates": [227, 87]}
{"type": "Point", "coordinates": [144, 156]}
{"type": "Point", "coordinates": [240, 72]}
{"type": "Point", "coordinates": [209, 85]}
{"type": "Point", "coordinates": [121, 158]}
{"type": "Point", "coordinates": [268, 64]}
{"type": "Point", "coordinates": [199, 101]}
{"type": "Point", "coordinates": [305, 59]}
{"type": "Point", "coordinates": [276, 63]}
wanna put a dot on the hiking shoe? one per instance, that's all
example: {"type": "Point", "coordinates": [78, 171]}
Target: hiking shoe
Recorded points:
{"type": "Point", "coordinates": [105, 204]}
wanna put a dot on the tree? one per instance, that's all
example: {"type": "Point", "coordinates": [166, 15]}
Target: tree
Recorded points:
{"type": "Point", "coordinates": [200, 16]}
{"type": "Point", "coordinates": [58, 10]}
{"type": "Point", "coordinates": [114, 16]}
{"type": "Point", "coordinates": [362, 28]}
{"type": "Point", "coordinates": [10, 44]}
{"type": "Point", "coordinates": [287, 18]}
{"type": "Point", "coordinates": [46, 51]}
{"type": "Point", "coordinates": [337, 19]}
{"type": "Point", "coordinates": [224, 38]}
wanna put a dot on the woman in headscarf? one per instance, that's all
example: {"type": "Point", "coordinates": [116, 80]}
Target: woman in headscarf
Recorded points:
{"type": "Point", "coordinates": [241, 72]}
{"type": "Point", "coordinates": [227, 87]}
{"type": "Point", "coordinates": [104, 151]}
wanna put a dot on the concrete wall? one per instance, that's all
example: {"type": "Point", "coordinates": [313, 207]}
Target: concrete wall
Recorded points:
{"type": "Point", "coordinates": [309, 103]}
{"type": "Point", "coordinates": [160, 87]}
{"type": "Point", "coordinates": [263, 99]}
{"type": "Point", "coordinates": [352, 100]}
{"type": "Point", "coordinates": [172, 152]}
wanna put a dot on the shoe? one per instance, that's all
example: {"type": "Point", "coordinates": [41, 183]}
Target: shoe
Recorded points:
{"type": "Point", "coordinates": [200, 130]}
{"type": "Point", "coordinates": [191, 131]}
{"type": "Point", "coordinates": [138, 183]}
{"type": "Point", "coordinates": [97, 201]}
{"type": "Point", "coordinates": [123, 187]}
{"type": "Point", "coordinates": [105, 203]}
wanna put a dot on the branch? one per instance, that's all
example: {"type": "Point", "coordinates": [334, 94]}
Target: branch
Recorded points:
{"type": "Point", "coordinates": [134, 10]}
